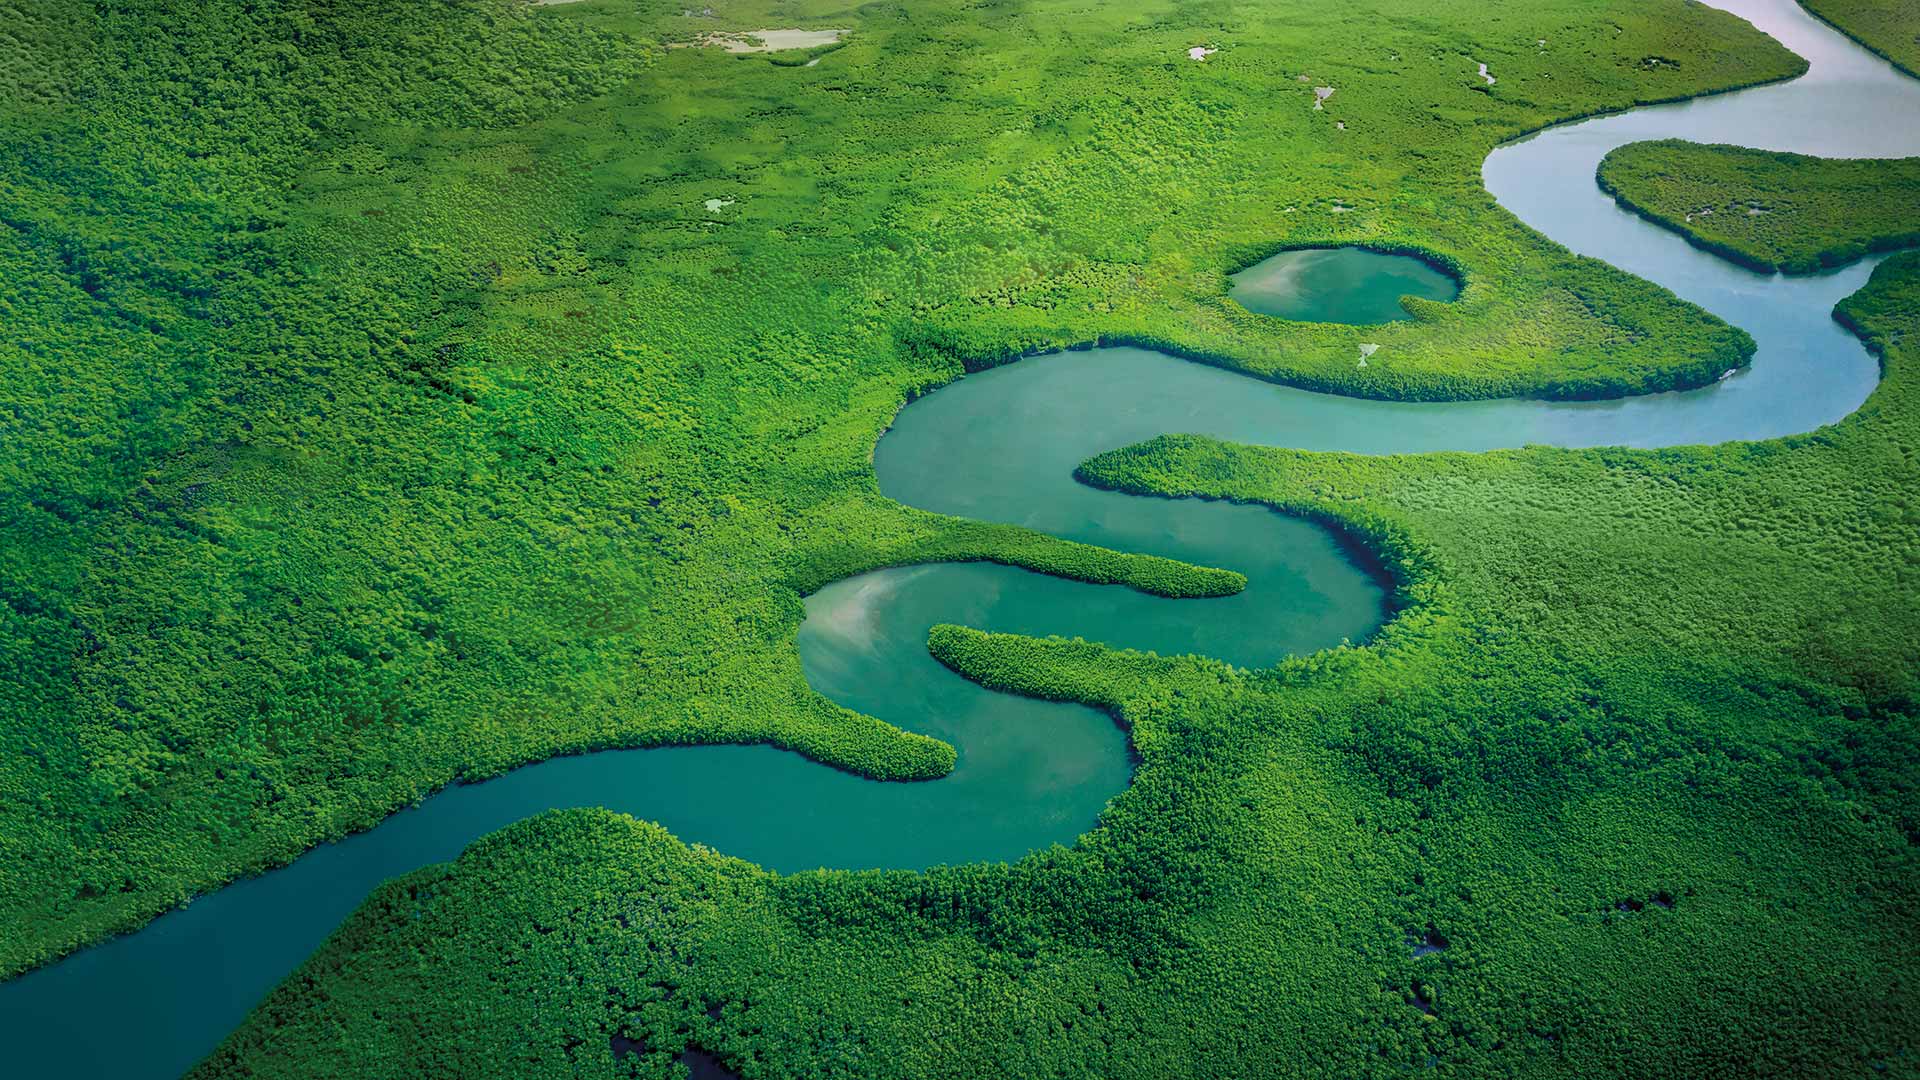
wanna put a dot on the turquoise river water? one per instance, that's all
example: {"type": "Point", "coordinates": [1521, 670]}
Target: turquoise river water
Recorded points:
{"type": "Point", "coordinates": [1338, 285]}
{"type": "Point", "coordinates": [1001, 446]}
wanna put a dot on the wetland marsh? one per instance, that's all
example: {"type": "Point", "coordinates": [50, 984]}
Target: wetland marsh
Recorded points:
{"type": "Point", "coordinates": [1002, 445]}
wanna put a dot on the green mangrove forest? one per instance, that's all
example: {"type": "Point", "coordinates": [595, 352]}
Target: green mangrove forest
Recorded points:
{"type": "Point", "coordinates": [398, 395]}
{"type": "Point", "coordinates": [1890, 28]}
{"type": "Point", "coordinates": [1769, 210]}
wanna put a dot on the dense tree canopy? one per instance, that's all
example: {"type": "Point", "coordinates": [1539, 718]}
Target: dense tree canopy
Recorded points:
{"type": "Point", "coordinates": [390, 408]}
{"type": "Point", "coordinates": [1767, 210]}
{"type": "Point", "coordinates": [1555, 821]}
{"type": "Point", "coordinates": [1888, 27]}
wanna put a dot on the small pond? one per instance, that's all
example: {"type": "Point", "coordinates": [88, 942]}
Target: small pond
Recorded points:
{"type": "Point", "coordinates": [1339, 285]}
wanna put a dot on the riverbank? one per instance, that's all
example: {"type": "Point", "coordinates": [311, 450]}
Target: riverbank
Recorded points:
{"type": "Point", "coordinates": [657, 427]}
{"type": "Point", "coordinates": [1794, 214]}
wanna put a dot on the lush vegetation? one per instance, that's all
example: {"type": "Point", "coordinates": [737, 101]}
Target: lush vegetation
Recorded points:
{"type": "Point", "coordinates": [380, 429]}
{"type": "Point", "coordinates": [1595, 742]}
{"type": "Point", "coordinates": [385, 406]}
{"type": "Point", "coordinates": [1555, 822]}
{"type": "Point", "coordinates": [1888, 27]}
{"type": "Point", "coordinates": [1767, 210]}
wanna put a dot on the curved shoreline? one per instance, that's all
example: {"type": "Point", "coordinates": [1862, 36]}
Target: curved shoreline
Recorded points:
{"type": "Point", "coordinates": [1825, 259]}
{"type": "Point", "coordinates": [1682, 378]}
{"type": "Point", "coordinates": [1731, 254]}
{"type": "Point", "coordinates": [1860, 41]}
{"type": "Point", "coordinates": [449, 797]}
{"type": "Point", "coordinates": [1435, 260]}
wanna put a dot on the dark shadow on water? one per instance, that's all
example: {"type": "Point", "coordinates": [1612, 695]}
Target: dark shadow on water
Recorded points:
{"type": "Point", "coordinates": [621, 1046]}
{"type": "Point", "coordinates": [700, 1064]}
{"type": "Point", "coordinates": [1663, 900]}
{"type": "Point", "coordinates": [1433, 941]}
{"type": "Point", "coordinates": [704, 1066]}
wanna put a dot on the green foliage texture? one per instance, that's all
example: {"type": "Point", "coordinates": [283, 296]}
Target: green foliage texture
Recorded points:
{"type": "Point", "coordinates": [1768, 210]}
{"type": "Point", "coordinates": [391, 410]}
{"type": "Point", "coordinates": [1888, 27]}
{"type": "Point", "coordinates": [1639, 754]}
{"type": "Point", "coordinates": [394, 411]}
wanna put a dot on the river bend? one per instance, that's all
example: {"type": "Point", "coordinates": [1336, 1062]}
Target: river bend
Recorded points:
{"type": "Point", "coordinates": [1031, 773]}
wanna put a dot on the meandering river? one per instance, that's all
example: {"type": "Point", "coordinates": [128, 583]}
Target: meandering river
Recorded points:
{"type": "Point", "coordinates": [1001, 446]}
